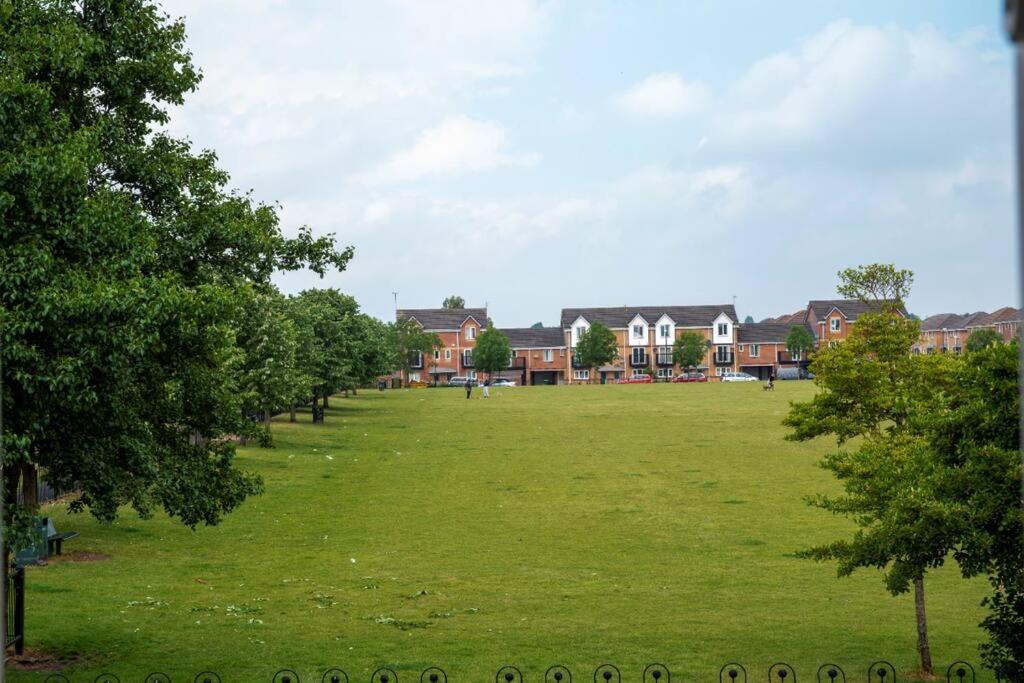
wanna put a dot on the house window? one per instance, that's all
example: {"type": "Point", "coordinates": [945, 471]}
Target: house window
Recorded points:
{"type": "Point", "coordinates": [414, 377]}
{"type": "Point", "coordinates": [639, 356]}
{"type": "Point", "coordinates": [470, 333]}
{"type": "Point", "coordinates": [467, 358]}
{"type": "Point", "coordinates": [834, 324]}
{"type": "Point", "coordinates": [665, 372]}
{"type": "Point", "coordinates": [437, 355]}
{"type": "Point", "coordinates": [415, 359]}
{"type": "Point", "coordinates": [755, 350]}
{"type": "Point", "coordinates": [579, 332]}
{"type": "Point", "coordinates": [723, 329]}
{"type": "Point", "coordinates": [718, 372]}
{"type": "Point", "coordinates": [833, 344]}
{"type": "Point", "coordinates": [638, 331]}
{"type": "Point", "coordinates": [549, 355]}
{"type": "Point", "coordinates": [472, 374]}
{"type": "Point", "coordinates": [581, 374]}
{"type": "Point", "coordinates": [741, 348]}
{"type": "Point", "coordinates": [796, 355]}
{"type": "Point", "coordinates": [665, 329]}
{"type": "Point", "coordinates": [723, 354]}
{"type": "Point", "coordinates": [447, 354]}
{"type": "Point", "coordinates": [561, 353]}
{"type": "Point", "coordinates": [665, 355]}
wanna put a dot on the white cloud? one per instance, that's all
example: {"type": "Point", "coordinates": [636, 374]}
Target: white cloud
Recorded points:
{"type": "Point", "coordinates": [663, 95]}
{"type": "Point", "coordinates": [457, 145]}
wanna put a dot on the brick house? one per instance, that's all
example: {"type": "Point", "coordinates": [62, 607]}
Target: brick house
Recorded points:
{"type": "Point", "coordinates": [833, 319]}
{"type": "Point", "coordinates": [645, 336]}
{"type": "Point", "coordinates": [761, 348]}
{"type": "Point", "coordinates": [1006, 321]}
{"type": "Point", "coordinates": [539, 355]}
{"type": "Point", "coordinates": [947, 332]}
{"type": "Point", "coordinates": [458, 329]}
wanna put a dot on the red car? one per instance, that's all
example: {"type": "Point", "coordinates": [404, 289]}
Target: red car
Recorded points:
{"type": "Point", "coordinates": [635, 379]}
{"type": "Point", "coordinates": [690, 377]}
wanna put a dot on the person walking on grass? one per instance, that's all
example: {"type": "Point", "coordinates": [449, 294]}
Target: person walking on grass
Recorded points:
{"type": "Point", "coordinates": [487, 388]}
{"type": "Point", "coordinates": [469, 387]}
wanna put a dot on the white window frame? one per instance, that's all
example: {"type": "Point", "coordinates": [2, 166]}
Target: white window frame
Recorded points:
{"type": "Point", "coordinates": [437, 354]}
{"type": "Point", "coordinates": [467, 357]}
{"type": "Point", "coordinates": [723, 329]}
{"type": "Point", "coordinates": [447, 354]}
{"type": "Point", "coordinates": [470, 333]}
{"type": "Point", "coordinates": [718, 355]}
{"type": "Point", "coordinates": [549, 355]}
{"type": "Point", "coordinates": [581, 374]}
{"type": "Point", "coordinates": [834, 324]}
{"type": "Point", "coordinates": [719, 371]}
{"type": "Point", "coordinates": [638, 349]}
{"type": "Point", "coordinates": [472, 374]}
{"type": "Point", "coordinates": [414, 377]}
{"type": "Point", "coordinates": [663, 352]}
{"type": "Point", "coordinates": [741, 348]}
{"type": "Point", "coordinates": [796, 355]}
{"type": "Point", "coordinates": [664, 330]}
{"type": "Point", "coordinates": [833, 344]}
{"type": "Point", "coordinates": [755, 351]}
{"type": "Point", "coordinates": [665, 372]}
{"type": "Point", "coordinates": [561, 353]}
{"type": "Point", "coordinates": [638, 332]}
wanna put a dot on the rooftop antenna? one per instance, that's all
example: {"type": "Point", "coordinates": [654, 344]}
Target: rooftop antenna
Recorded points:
{"type": "Point", "coordinates": [395, 294]}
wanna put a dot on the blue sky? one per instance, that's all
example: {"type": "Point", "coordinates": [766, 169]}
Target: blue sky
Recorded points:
{"type": "Point", "coordinates": [535, 155]}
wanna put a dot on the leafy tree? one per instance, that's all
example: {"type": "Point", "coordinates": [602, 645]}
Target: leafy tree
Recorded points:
{"type": "Point", "coordinates": [881, 284]}
{"type": "Point", "coordinates": [749, 320]}
{"type": "Point", "coordinates": [123, 260]}
{"type": "Point", "coordinates": [537, 326]}
{"type": "Point", "coordinates": [454, 301]}
{"type": "Point", "coordinates": [799, 341]}
{"type": "Point", "coordinates": [975, 487]}
{"type": "Point", "coordinates": [689, 349]}
{"type": "Point", "coordinates": [983, 338]}
{"type": "Point", "coordinates": [406, 340]}
{"type": "Point", "coordinates": [324, 320]}
{"type": "Point", "coordinates": [597, 346]}
{"type": "Point", "coordinates": [373, 356]}
{"type": "Point", "coordinates": [269, 376]}
{"type": "Point", "coordinates": [492, 351]}
{"type": "Point", "coordinates": [873, 388]}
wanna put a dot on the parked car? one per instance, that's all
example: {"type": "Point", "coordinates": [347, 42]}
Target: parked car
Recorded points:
{"type": "Point", "coordinates": [502, 382]}
{"type": "Point", "coordinates": [635, 379]}
{"type": "Point", "coordinates": [461, 382]}
{"type": "Point", "coordinates": [795, 373]}
{"type": "Point", "coordinates": [690, 377]}
{"type": "Point", "coordinates": [738, 377]}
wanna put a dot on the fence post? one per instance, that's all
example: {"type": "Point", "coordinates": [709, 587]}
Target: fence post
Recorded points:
{"type": "Point", "coordinates": [19, 609]}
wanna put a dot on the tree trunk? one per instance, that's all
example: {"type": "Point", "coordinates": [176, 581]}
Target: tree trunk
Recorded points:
{"type": "Point", "coordinates": [326, 404]}
{"type": "Point", "coordinates": [355, 391]}
{"type": "Point", "coordinates": [315, 398]}
{"type": "Point", "coordinates": [266, 420]}
{"type": "Point", "coordinates": [291, 410]}
{"type": "Point", "coordinates": [923, 649]}
{"type": "Point", "coordinates": [30, 484]}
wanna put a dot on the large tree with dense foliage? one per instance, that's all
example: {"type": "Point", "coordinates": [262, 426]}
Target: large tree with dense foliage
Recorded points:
{"type": "Point", "coordinates": [453, 301]}
{"type": "Point", "coordinates": [982, 338]}
{"type": "Point", "coordinates": [408, 340]}
{"type": "Point", "coordinates": [123, 260]}
{"type": "Point", "coordinates": [492, 352]}
{"type": "Point", "coordinates": [874, 390]}
{"type": "Point", "coordinates": [689, 350]}
{"type": "Point", "coordinates": [799, 342]}
{"type": "Point", "coordinates": [597, 346]}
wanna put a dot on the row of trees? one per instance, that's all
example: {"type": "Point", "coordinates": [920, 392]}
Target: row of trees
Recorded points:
{"type": "Point", "coordinates": [928, 456]}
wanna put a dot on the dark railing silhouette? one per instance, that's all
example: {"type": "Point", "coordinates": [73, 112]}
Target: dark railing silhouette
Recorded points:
{"type": "Point", "coordinates": [16, 609]}
{"type": "Point", "coordinates": [880, 671]}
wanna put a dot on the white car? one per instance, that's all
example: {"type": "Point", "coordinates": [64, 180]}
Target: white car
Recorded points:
{"type": "Point", "coordinates": [502, 382]}
{"type": "Point", "coordinates": [738, 377]}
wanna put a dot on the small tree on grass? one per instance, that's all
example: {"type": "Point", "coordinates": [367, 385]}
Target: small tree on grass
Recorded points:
{"type": "Point", "coordinates": [983, 338]}
{"type": "Point", "coordinates": [874, 390]}
{"type": "Point", "coordinates": [597, 346]}
{"type": "Point", "coordinates": [689, 350]}
{"type": "Point", "coordinates": [492, 351]}
{"type": "Point", "coordinates": [799, 342]}
{"type": "Point", "coordinates": [406, 339]}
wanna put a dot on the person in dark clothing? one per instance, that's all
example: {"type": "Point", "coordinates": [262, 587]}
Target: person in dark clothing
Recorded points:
{"type": "Point", "coordinates": [469, 387]}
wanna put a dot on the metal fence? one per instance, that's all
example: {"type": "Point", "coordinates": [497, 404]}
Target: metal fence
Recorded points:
{"type": "Point", "coordinates": [45, 492]}
{"type": "Point", "coordinates": [16, 609]}
{"type": "Point", "coordinates": [733, 672]}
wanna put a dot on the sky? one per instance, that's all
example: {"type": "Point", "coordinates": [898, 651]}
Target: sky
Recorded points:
{"type": "Point", "coordinates": [535, 155]}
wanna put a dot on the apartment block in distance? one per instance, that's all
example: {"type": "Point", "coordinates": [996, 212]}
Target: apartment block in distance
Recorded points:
{"type": "Point", "coordinates": [458, 329]}
{"type": "Point", "coordinates": [539, 355]}
{"type": "Point", "coordinates": [645, 336]}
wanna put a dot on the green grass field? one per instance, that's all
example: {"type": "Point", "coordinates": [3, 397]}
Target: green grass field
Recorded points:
{"type": "Point", "coordinates": [573, 525]}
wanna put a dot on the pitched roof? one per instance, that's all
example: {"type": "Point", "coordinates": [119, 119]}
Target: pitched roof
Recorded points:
{"type": "Point", "coordinates": [620, 317]}
{"type": "Point", "coordinates": [851, 308]}
{"type": "Point", "coordinates": [535, 337]}
{"type": "Point", "coordinates": [1006, 314]}
{"type": "Point", "coordinates": [766, 333]}
{"type": "Point", "coordinates": [951, 321]}
{"type": "Point", "coordinates": [791, 318]}
{"type": "Point", "coordinates": [442, 318]}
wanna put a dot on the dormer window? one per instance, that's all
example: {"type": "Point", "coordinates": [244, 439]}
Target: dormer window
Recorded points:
{"type": "Point", "coordinates": [470, 332]}
{"type": "Point", "coordinates": [579, 331]}
{"type": "Point", "coordinates": [664, 330]}
{"type": "Point", "coordinates": [834, 324]}
{"type": "Point", "coordinates": [638, 331]}
{"type": "Point", "coordinates": [723, 329]}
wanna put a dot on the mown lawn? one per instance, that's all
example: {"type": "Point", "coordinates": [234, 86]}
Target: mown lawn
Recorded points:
{"type": "Point", "coordinates": [573, 525]}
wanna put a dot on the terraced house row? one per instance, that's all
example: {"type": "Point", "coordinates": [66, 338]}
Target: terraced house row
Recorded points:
{"type": "Point", "coordinates": [645, 336]}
